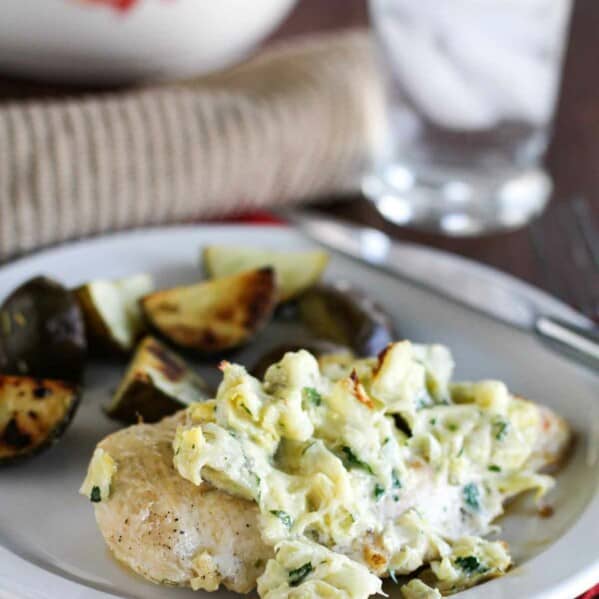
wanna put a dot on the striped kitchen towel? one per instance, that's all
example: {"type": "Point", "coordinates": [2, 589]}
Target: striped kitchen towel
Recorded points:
{"type": "Point", "coordinates": [292, 124]}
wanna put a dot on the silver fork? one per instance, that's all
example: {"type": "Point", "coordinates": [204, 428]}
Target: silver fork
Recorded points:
{"type": "Point", "coordinates": [566, 235]}
{"type": "Point", "coordinates": [568, 230]}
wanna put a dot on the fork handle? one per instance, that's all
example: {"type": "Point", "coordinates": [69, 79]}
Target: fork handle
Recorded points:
{"type": "Point", "coordinates": [572, 339]}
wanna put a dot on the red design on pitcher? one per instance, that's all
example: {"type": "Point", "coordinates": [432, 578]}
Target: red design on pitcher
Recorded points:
{"type": "Point", "coordinates": [120, 5]}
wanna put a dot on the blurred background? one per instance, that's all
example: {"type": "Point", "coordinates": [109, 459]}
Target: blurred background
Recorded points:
{"type": "Point", "coordinates": [317, 79]}
{"type": "Point", "coordinates": [543, 253]}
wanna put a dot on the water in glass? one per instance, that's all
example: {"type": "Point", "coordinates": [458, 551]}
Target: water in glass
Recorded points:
{"type": "Point", "coordinates": [471, 88]}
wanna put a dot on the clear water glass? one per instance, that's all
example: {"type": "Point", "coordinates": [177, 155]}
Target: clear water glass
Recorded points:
{"type": "Point", "coordinates": [471, 90]}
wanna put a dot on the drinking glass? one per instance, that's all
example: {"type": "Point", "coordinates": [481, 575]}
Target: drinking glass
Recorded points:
{"type": "Point", "coordinates": [471, 89]}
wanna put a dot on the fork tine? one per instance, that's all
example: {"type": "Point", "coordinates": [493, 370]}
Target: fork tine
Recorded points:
{"type": "Point", "coordinates": [579, 236]}
{"type": "Point", "coordinates": [577, 254]}
{"type": "Point", "coordinates": [542, 254]}
{"type": "Point", "coordinates": [584, 219]}
{"type": "Point", "coordinates": [586, 223]}
{"type": "Point", "coordinates": [568, 229]}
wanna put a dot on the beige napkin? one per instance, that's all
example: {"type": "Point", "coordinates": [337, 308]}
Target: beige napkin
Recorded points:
{"type": "Point", "coordinates": [292, 124]}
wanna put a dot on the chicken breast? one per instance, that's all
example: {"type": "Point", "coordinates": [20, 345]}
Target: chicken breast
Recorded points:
{"type": "Point", "coordinates": [387, 463]}
{"type": "Point", "coordinates": [172, 532]}
{"type": "Point", "coordinates": [169, 530]}
{"type": "Point", "coordinates": [553, 444]}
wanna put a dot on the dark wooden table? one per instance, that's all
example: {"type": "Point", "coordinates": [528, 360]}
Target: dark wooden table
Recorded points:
{"type": "Point", "coordinates": [573, 160]}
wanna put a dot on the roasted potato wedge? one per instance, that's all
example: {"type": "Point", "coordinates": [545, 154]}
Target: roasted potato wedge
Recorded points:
{"type": "Point", "coordinates": [156, 384]}
{"type": "Point", "coordinates": [42, 332]}
{"type": "Point", "coordinates": [34, 413]}
{"type": "Point", "coordinates": [347, 316]}
{"type": "Point", "coordinates": [318, 348]}
{"type": "Point", "coordinates": [215, 315]}
{"type": "Point", "coordinates": [296, 271]}
{"type": "Point", "coordinates": [113, 318]}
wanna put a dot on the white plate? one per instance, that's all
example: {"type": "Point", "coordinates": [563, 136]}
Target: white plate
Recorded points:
{"type": "Point", "coordinates": [50, 546]}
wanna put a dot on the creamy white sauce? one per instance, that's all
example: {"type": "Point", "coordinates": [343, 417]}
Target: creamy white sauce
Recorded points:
{"type": "Point", "coordinates": [321, 454]}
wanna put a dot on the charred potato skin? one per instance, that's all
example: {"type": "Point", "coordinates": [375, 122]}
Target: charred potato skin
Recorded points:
{"type": "Point", "coordinates": [346, 315]}
{"type": "Point", "coordinates": [32, 429]}
{"type": "Point", "coordinates": [141, 397]}
{"type": "Point", "coordinates": [144, 402]}
{"type": "Point", "coordinates": [42, 332]}
{"type": "Point", "coordinates": [246, 303]}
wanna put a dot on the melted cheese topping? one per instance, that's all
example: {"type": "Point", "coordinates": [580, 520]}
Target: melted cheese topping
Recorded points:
{"type": "Point", "coordinates": [98, 481]}
{"type": "Point", "coordinates": [303, 569]}
{"type": "Point", "coordinates": [416, 589]}
{"type": "Point", "coordinates": [378, 463]}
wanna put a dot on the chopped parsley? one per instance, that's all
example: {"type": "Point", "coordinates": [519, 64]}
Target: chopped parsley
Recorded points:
{"type": "Point", "coordinates": [353, 461]}
{"type": "Point", "coordinates": [422, 403]}
{"type": "Point", "coordinates": [258, 483]}
{"type": "Point", "coordinates": [452, 426]}
{"type": "Point", "coordinates": [298, 575]}
{"type": "Point", "coordinates": [501, 429]}
{"type": "Point", "coordinates": [494, 468]}
{"type": "Point", "coordinates": [312, 395]}
{"type": "Point", "coordinates": [395, 478]}
{"type": "Point", "coordinates": [433, 421]}
{"type": "Point", "coordinates": [96, 495]}
{"type": "Point", "coordinates": [470, 564]}
{"type": "Point", "coordinates": [379, 491]}
{"type": "Point", "coordinates": [246, 409]}
{"type": "Point", "coordinates": [471, 495]}
{"type": "Point", "coordinates": [284, 517]}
